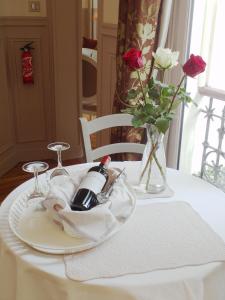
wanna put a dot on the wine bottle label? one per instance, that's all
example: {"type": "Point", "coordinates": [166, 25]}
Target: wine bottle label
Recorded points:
{"type": "Point", "coordinates": [94, 181]}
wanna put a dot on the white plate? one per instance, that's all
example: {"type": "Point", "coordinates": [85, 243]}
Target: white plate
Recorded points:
{"type": "Point", "coordinates": [36, 228]}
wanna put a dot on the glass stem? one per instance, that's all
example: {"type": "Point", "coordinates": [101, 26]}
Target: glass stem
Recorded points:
{"type": "Point", "coordinates": [59, 154]}
{"type": "Point", "coordinates": [36, 186]}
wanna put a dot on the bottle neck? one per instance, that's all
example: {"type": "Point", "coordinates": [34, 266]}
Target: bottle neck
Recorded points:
{"type": "Point", "coordinates": [104, 165]}
{"type": "Point", "coordinates": [105, 162]}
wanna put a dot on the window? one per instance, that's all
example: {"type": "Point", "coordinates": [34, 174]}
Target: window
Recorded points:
{"type": "Point", "coordinates": [203, 143]}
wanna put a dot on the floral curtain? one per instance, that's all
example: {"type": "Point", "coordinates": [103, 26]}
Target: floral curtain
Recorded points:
{"type": "Point", "coordinates": [138, 27]}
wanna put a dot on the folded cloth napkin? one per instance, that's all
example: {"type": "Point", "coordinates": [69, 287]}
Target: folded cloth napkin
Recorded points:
{"type": "Point", "coordinates": [93, 224]}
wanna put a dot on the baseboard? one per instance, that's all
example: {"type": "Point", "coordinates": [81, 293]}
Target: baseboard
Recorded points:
{"type": "Point", "coordinates": [31, 152]}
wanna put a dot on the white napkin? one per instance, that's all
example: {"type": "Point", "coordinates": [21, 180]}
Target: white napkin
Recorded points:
{"type": "Point", "coordinates": [93, 224]}
{"type": "Point", "coordinates": [159, 236]}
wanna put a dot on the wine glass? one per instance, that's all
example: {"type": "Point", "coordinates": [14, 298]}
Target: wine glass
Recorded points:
{"type": "Point", "coordinates": [35, 167]}
{"type": "Point", "coordinates": [59, 147]}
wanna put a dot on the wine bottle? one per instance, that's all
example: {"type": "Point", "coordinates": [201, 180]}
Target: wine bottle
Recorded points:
{"type": "Point", "coordinates": [91, 185]}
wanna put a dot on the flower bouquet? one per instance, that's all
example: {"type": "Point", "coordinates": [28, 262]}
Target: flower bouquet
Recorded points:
{"type": "Point", "coordinates": [153, 103]}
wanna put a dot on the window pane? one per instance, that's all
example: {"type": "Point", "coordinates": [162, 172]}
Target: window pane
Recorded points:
{"type": "Point", "coordinates": [217, 56]}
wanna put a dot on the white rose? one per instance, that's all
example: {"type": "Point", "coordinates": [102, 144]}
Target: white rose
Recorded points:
{"type": "Point", "coordinates": [165, 58]}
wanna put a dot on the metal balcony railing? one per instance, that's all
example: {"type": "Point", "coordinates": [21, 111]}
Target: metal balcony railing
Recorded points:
{"type": "Point", "coordinates": [213, 155]}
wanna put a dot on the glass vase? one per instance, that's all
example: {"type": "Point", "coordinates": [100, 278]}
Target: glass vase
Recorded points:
{"type": "Point", "coordinates": [153, 166]}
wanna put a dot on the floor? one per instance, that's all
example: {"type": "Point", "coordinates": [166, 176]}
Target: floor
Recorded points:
{"type": "Point", "coordinates": [16, 176]}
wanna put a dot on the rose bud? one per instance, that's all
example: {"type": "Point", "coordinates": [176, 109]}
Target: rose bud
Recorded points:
{"type": "Point", "coordinates": [165, 58]}
{"type": "Point", "coordinates": [194, 66]}
{"type": "Point", "coordinates": [133, 58]}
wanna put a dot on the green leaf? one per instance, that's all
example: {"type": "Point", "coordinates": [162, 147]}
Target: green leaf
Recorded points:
{"type": "Point", "coordinates": [148, 100]}
{"type": "Point", "coordinates": [151, 83]}
{"type": "Point", "coordinates": [154, 94]}
{"type": "Point", "coordinates": [137, 122]}
{"type": "Point", "coordinates": [167, 91]}
{"type": "Point", "coordinates": [132, 94]}
{"type": "Point", "coordinates": [128, 110]}
{"type": "Point", "coordinates": [149, 108]}
{"type": "Point", "coordinates": [175, 105]}
{"type": "Point", "coordinates": [162, 124]}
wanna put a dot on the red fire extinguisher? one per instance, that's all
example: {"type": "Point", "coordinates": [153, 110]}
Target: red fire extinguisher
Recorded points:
{"type": "Point", "coordinates": [27, 68]}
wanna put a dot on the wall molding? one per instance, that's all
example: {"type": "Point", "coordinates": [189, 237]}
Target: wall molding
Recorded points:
{"type": "Point", "coordinates": [109, 29]}
{"type": "Point", "coordinates": [23, 21]}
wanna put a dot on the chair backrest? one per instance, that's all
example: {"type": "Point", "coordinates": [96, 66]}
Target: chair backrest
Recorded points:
{"type": "Point", "coordinates": [109, 121]}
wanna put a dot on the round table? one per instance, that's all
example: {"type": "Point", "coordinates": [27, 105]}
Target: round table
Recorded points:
{"type": "Point", "coordinates": [28, 274]}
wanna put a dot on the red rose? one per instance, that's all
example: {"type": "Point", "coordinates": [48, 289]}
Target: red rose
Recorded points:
{"type": "Point", "coordinates": [194, 66]}
{"type": "Point", "coordinates": [133, 58]}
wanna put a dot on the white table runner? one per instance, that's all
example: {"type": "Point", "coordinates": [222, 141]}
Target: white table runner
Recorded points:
{"type": "Point", "coordinates": [158, 236]}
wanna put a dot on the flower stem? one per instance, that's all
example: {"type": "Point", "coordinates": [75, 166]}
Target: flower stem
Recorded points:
{"type": "Point", "coordinates": [157, 161]}
{"type": "Point", "coordinates": [154, 146]}
{"type": "Point", "coordinates": [152, 156]}
{"type": "Point", "coordinates": [159, 166]}
{"type": "Point", "coordinates": [149, 174]}
{"type": "Point", "coordinates": [163, 75]}
{"type": "Point", "coordinates": [142, 88]}
{"type": "Point", "coordinates": [177, 90]}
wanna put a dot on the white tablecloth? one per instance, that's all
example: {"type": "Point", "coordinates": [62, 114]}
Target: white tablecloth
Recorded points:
{"type": "Point", "coordinates": [27, 274]}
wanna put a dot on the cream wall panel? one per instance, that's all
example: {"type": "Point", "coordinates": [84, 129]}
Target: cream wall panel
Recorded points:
{"type": "Point", "coordinates": [6, 132]}
{"type": "Point", "coordinates": [110, 11]}
{"type": "Point", "coordinates": [107, 40]}
{"type": "Point", "coordinates": [7, 141]}
{"type": "Point", "coordinates": [109, 72]}
{"type": "Point", "coordinates": [66, 20]}
{"type": "Point", "coordinates": [9, 8]}
{"type": "Point", "coordinates": [85, 22]}
{"type": "Point", "coordinates": [33, 104]}
{"type": "Point", "coordinates": [30, 122]}
{"type": "Point", "coordinates": [106, 74]}
{"type": "Point", "coordinates": [85, 3]}
{"type": "Point", "coordinates": [31, 107]}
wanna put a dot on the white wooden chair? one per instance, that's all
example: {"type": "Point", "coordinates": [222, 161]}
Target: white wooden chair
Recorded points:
{"type": "Point", "coordinates": [109, 121]}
